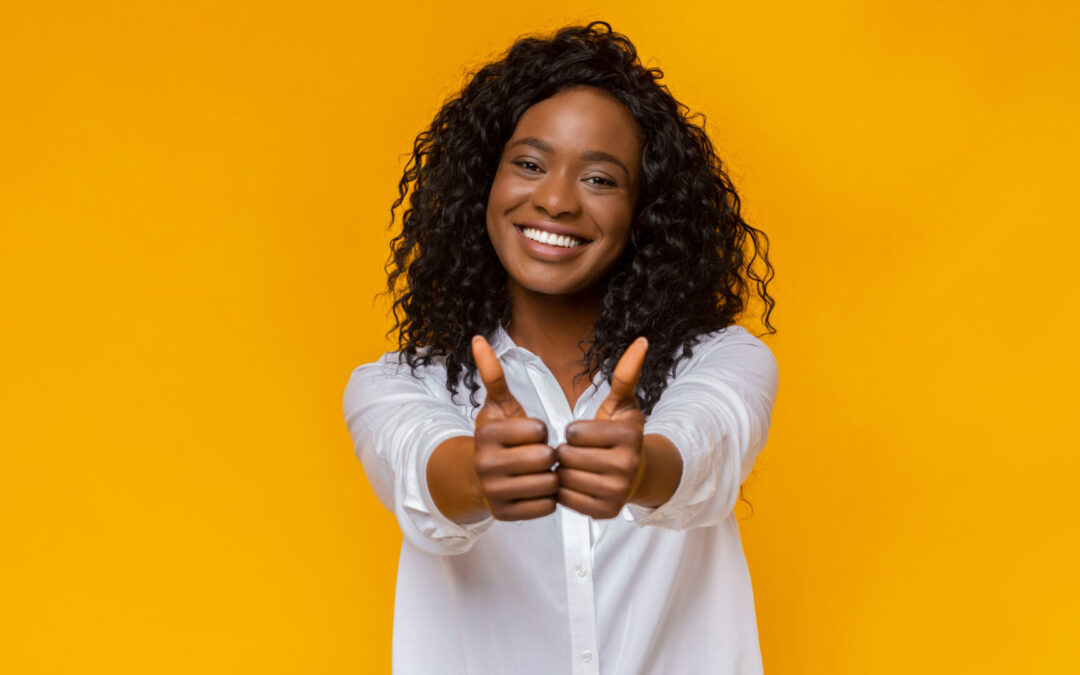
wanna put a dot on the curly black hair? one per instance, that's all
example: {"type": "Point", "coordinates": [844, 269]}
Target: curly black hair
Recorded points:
{"type": "Point", "coordinates": [689, 265]}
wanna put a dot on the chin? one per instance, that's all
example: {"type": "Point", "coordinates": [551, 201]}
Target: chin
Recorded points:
{"type": "Point", "coordinates": [555, 287]}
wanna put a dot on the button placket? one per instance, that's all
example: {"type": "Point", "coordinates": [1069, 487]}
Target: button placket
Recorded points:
{"type": "Point", "coordinates": [576, 536]}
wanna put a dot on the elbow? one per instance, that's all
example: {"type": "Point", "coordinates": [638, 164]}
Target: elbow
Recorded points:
{"type": "Point", "coordinates": [428, 531]}
{"type": "Point", "coordinates": [714, 467]}
{"type": "Point", "coordinates": [437, 544]}
{"type": "Point", "coordinates": [421, 524]}
{"type": "Point", "coordinates": [714, 501]}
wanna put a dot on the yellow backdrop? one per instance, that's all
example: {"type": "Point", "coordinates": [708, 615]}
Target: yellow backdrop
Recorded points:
{"type": "Point", "coordinates": [193, 201]}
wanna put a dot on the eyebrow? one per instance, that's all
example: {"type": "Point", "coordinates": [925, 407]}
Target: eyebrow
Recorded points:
{"type": "Point", "coordinates": [588, 155]}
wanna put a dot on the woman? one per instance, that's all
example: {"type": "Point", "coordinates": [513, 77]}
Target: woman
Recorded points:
{"type": "Point", "coordinates": [573, 243]}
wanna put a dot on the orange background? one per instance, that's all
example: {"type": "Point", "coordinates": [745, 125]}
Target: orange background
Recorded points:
{"type": "Point", "coordinates": [194, 199]}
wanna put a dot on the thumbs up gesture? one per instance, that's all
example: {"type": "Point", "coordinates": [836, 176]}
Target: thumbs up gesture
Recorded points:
{"type": "Point", "coordinates": [601, 465]}
{"type": "Point", "coordinates": [513, 460]}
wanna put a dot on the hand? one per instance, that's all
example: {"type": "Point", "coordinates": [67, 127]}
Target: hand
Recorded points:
{"type": "Point", "coordinates": [601, 465]}
{"type": "Point", "coordinates": [513, 460]}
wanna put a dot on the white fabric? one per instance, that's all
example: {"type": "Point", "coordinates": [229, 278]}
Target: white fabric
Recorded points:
{"type": "Point", "coordinates": [663, 590]}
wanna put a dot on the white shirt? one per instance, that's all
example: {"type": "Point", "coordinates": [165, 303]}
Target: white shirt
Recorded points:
{"type": "Point", "coordinates": [663, 590]}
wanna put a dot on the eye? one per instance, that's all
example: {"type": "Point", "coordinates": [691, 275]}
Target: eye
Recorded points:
{"type": "Point", "coordinates": [527, 165]}
{"type": "Point", "coordinates": [601, 181]}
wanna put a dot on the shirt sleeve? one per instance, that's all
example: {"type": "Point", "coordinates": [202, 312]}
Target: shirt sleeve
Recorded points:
{"type": "Point", "coordinates": [396, 423]}
{"type": "Point", "coordinates": [717, 413]}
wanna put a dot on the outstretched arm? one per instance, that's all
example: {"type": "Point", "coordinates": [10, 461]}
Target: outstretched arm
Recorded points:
{"type": "Point", "coordinates": [683, 467]}
{"type": "Point", "coordinates": [716, 413]}
{"type": "Point", "coordinates": [396, 424]}
{"type": "Point", "coordinates": [609, 461]}
{"type": "Point", "coordinates": [504, 469]}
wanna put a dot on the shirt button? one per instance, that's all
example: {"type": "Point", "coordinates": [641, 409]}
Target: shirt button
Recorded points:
{"type": "Point", "coordinates": [586, 656]}
{"type": "Point", "coordinates": [581, 571]}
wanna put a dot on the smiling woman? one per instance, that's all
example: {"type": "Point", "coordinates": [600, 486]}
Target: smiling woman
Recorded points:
{"type": "Point", "coordinates": [562, 201]}
{"type": "Point", "coordinates": [572, 242]}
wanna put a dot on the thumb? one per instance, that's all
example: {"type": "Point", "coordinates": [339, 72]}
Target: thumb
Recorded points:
{"type": "Point", "coordinates": [491, 374]}
{"type": "Point", "coordinates": [624, 381]}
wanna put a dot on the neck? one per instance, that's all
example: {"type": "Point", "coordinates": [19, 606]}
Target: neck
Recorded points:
{"type": "Point", "coordinates": [552, 326]}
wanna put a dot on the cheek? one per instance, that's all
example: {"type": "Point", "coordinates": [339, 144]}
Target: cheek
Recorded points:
{"type": "Point", "coordinates": [619, 219]}
{"type": "Point", "coordinates": [493, 196]}
{"type": "Point", "coordinates": [506, 192]}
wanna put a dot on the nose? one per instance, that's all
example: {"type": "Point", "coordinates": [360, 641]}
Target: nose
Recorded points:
{"type": "Point", "coordinates": [556, 195]}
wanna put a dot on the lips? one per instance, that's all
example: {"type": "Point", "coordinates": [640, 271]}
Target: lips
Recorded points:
{"type": "Point", "coordinates": [553, 229]}
{"type": "Point", "coordinates": [560, 240]}
{"type": "Point", "coordinates": [546, 251]}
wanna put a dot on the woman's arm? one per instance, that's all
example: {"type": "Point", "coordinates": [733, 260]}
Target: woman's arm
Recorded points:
{"type": "Point", "coordinates": [443, 476]}
{"type": "Point", "coordinates": [396, 425]}
{"type": "Point", "coordinates": [452, 481]}
{"type": "Point", "coordinates": [609, 462]}
{"type": "Point", "coordinates": [504, 469]}
{"type": "Point", "coordinates": [663, 469]}
{"type": "Point", "coordinates": [716, 415]}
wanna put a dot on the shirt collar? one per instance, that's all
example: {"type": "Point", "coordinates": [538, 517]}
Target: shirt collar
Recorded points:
{"type": "Point", "coordinates": [501, 342]}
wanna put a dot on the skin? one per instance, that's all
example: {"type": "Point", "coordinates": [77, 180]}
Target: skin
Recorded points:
{"type": "Point", "coordinates": [574, 160]}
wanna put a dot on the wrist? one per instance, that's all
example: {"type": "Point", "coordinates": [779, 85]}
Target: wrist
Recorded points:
{"type": "Point", "coordinates": [662, 471]}
{"type": "Point", "coordinates": [453, 483]}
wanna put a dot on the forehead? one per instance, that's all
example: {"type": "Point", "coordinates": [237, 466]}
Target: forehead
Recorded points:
{"type": "Point", "coordinates": [583, 119]}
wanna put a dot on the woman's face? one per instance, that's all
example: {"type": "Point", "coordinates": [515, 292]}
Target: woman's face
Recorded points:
{"type": "Point", "coordinates": [562, 201]}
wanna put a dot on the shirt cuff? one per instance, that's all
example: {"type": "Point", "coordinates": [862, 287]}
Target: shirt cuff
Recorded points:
{"type": "Point", "coordinates": [668, 514]}
{"type": "Point", "coordinates": [437, 534]}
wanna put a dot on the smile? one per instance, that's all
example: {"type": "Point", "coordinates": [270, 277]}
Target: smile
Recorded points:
{"type": "Point", "coordinates": [550, 239]}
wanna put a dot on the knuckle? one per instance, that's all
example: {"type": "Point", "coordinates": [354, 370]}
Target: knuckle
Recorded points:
{"type": "Point", "coordinates": [483, 467]}
{"type": "Point", "coordinates": [544, 455]}
{"type": "Point", "coordinates": [613, 489]}
{"type": "Point", "coordinates": [550, 456]}
{"type": "Point", "coordinates": [485, 434]}
{"type": "Point", "coordinates": [494, 491]}
{"type": "Point", "coordinates": [627, 464]}
{"type": "Point", "coordinates": [536, 508]}
{"type": "Point", "coordinates": [532, 454]}
{"type": "Point", "coordinates": [608, 511]}
{"type": "Point", "coordinates": [486, 416]}
{"type": "Point", "coordinates": [544, 507]}
{"type": "Point", "coordinates": [596, 511]}
{"type": "Point", "coordinates": [551, 481]}
{"type": "Point", "coordinates": [486, 463]}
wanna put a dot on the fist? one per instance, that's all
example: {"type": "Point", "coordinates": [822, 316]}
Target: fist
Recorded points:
{"type": "Point", "coordinates": [601, 465]}
{"type": "Point", "coordinates": [513, 461]}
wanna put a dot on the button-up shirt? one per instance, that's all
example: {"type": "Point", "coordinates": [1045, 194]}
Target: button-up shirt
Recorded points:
{"type": "Point", "coordinates": [661, 590]}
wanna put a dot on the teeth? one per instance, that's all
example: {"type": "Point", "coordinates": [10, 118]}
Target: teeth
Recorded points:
{"type": "Point", "coordinates": [549, 238]}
